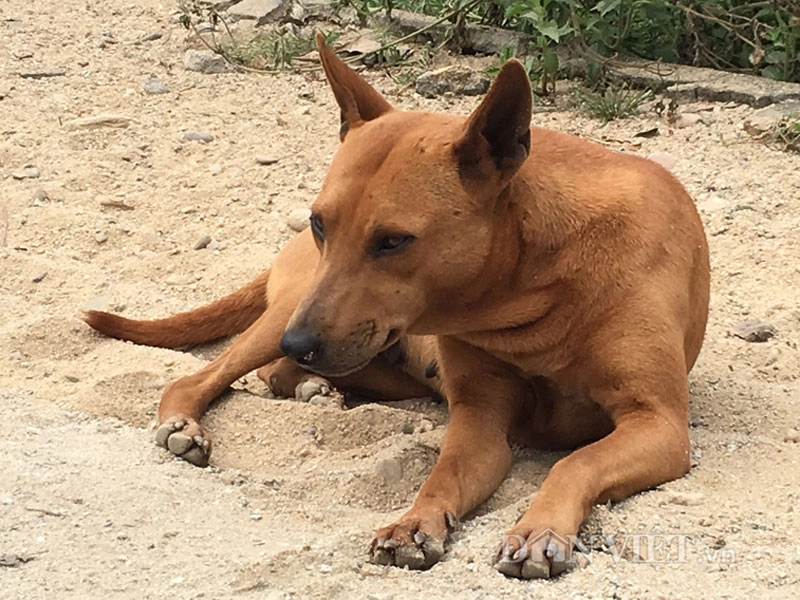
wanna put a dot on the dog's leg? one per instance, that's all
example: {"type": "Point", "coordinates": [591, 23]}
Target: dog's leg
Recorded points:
{"type": "Point", "coordinates": [648, 446]}
{"type": "Point", "coordinates": [186, 400]}
{"type": "Point", "coordinates": [483, 398]}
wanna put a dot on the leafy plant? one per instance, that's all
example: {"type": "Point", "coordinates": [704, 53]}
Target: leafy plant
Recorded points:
{"type": "Point", "coordinates": [613, 101]}
{"type": "Point", "coordinates": [786, 133]}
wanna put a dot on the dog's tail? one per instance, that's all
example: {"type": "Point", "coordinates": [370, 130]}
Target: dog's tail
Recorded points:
{"type": "Point", "coordinates": [227, 316]}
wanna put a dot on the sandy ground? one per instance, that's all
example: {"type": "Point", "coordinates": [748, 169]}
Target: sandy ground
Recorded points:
{"type": "Point", "coordinates": [89, 507]}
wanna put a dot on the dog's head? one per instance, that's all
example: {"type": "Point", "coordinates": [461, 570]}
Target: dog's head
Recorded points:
{"type": "Point", "coordinates": [408, 219]}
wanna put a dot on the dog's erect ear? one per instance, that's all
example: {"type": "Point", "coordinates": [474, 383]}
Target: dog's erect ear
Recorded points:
{"type": "Point", "coordinates": [497, 138]}
{"type": "Point", "coordinates": [357, 99]}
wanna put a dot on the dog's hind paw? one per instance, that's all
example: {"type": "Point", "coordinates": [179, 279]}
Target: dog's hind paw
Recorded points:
{"type": "Point", "coordinates": [186, 438]}
{"type": "Point", "coordinates": [319, 392]}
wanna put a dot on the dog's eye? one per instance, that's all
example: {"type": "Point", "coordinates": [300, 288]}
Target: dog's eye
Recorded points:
{"type": "Point", "coordinates": [389, 244]}
{"type": "Point", "coordinates": [316, 228]}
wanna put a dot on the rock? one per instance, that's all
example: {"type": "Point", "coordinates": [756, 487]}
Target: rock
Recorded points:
{"type": "Point", "coordinates": [197, 136]}
{"type": "Point", "coordinates": [205, 61]}
{"type": "Point", "coordinates": [101, 237]}
{"type": "Point", "coordinates": [407, 428]}
{"type": "Point", "coordinates": [40, 196]}
{"type": "Point", "coordinates": [265, 160]}
{"type": "Point", "coordinates": [214, 245]}
{"type": "Point", "coordinates": [72, 378]}
{"type": "Point", "coordinates": [264, 11]}
{"type": "Point", "coordinates": [39, 277]}
{"type": "Point", "coordinates": [202, 242]}
{"type": "Point", "coordinates": [425, 425]}
{"type": "Point", "coordinates": [792, 435]}
{"type": "Point", "coordinates": [710, 203]}
{"type": "Point", "coordinates": [391, 470]}
{"type": "Point", "coordinates": [455, 79]}
{"type": "Point", "coordinates": [26, 172]}
{"type": "Point", "coordinates": [97, 121]}
{"type": "Point", "coordinates": [762, 120]}
{"type": "Point", "coordinates": [298, 219]}
{"type": "Point", "coordinates": [153, 85]}
{"type": "Point", "coordinates": [754, 330]}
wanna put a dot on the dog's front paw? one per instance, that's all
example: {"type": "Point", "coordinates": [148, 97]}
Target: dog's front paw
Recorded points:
{"type": "Point", "coordinates": [415, 541]}
{"type": "Point", "coordinates": [535, 553]}
{"type": "Point", "coordinates": [186, 438]}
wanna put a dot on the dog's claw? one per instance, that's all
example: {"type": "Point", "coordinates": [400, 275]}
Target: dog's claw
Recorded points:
{"type": "Point", "coordinates": [185, 438]}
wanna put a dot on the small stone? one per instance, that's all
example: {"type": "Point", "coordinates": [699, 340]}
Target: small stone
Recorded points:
{"type": "Point", "coordinates": [406, 428]}
{"type": "Point", "coordinates": [202, 242]}
{"type": "Point", "coordinates": [153, 85]}
{"type": "Point", "coordinates": [197, 136]}
{"type": "Point", "coordinates": [40, 196]}
{"type": "Point", "coordinates": [391, 470]}
{"type": "Point", "coordinates": [792, 435]}
{"type": "Point", "coordinates": [262, 11]}
{"type": "Point", "coordinates": [39, 277]}
{"type": "Point", "coordinates": [168, 362]}
{"type": "Point", "coordinates": [26, 173]}
{"type": "Point", "coordinates": [325, 568]}
{"type": "Point", "coordinates": [265, 160]}
{"type": "Point", "coordinates": [205, 61]}
{"type": "Point", "coordinates": [303, 110]}
{"type": "Point", "coordinates": [101, 238]}
{"type": "Point", "coordinates": [214, 245]}
{"type": "Point", "coordinates": [754, 330]}
{"type": "Point", "coordinates": [215, 169]}
{"type": "Point", "coordinates": [255, 515]}
{"type": "Point", "coordinates": [455, 79]}
{"type": "Point", "coordinates": [298, 219]}
{"type": "Point", "coordinates": [71, 378]}
{"type": "Point", "coordinates": [176, 581]}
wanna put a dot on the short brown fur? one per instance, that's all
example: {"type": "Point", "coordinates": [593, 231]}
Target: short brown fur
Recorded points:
{"type": "Point", "coordinates": [562, 289]}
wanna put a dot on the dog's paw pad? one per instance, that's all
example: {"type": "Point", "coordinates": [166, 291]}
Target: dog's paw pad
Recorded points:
{"type": "Point", "coordinates": [185, 437]}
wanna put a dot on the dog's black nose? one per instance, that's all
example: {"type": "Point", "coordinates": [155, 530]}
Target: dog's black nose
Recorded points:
{"type": "Point", "coordinates": [302, 347]}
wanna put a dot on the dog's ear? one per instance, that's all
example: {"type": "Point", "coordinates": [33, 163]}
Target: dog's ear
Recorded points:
{"type": "Point", "coordinates": [357, 99]}
{"type": "Point", "coordinates": [497, 138]}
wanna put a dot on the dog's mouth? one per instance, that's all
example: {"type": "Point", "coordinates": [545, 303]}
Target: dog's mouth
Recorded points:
{"type": "Point", "coordinates": [336, 371]}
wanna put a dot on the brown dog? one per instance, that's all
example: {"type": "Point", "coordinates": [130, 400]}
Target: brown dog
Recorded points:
{"type": "Point", "coordinates": [566, 285]}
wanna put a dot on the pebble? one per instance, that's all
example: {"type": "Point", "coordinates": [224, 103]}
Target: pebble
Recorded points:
{"type": "Point", "coordinates": [202, 242]}
{"type": "Point", "coordinates": [754, 330]}
{"type": "Point", "coordinates": [153, 85]}
{"type": "Point", "coordinates": [205, 61]}
{"type": "Point", "coordinates": [197, 136]}
{"type": "Point", "coordinates": [39, 277]}
{"type": "Point", "coordinates": [664, 159]}
{"type": "Point", "coordinates": [214, 245]}
{"type": "Point", "coordinates": [265, 160]}
{"type": "Point", "coordinates": [40, 196]}
{"type": "Point", "coordinates": [792, 435]}
{"type": "Point", "coordinates": [101, 238]}
{"type": "Point", "coordinates": [26, 173]}
{"type": "Point", "coordinates": [407, 428]}
{"type": "Point", "coordinates": [303, 110]}
{"type": "Point", "coordinates": [72, 378]}
{"type": "Point", "coordinates": [298, 219]}
{"type": "Point", "coordinates": [325, 568]}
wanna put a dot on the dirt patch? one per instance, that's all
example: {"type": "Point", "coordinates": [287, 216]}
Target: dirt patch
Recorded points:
{"type": "Point", "coordinates": [90, 507]}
